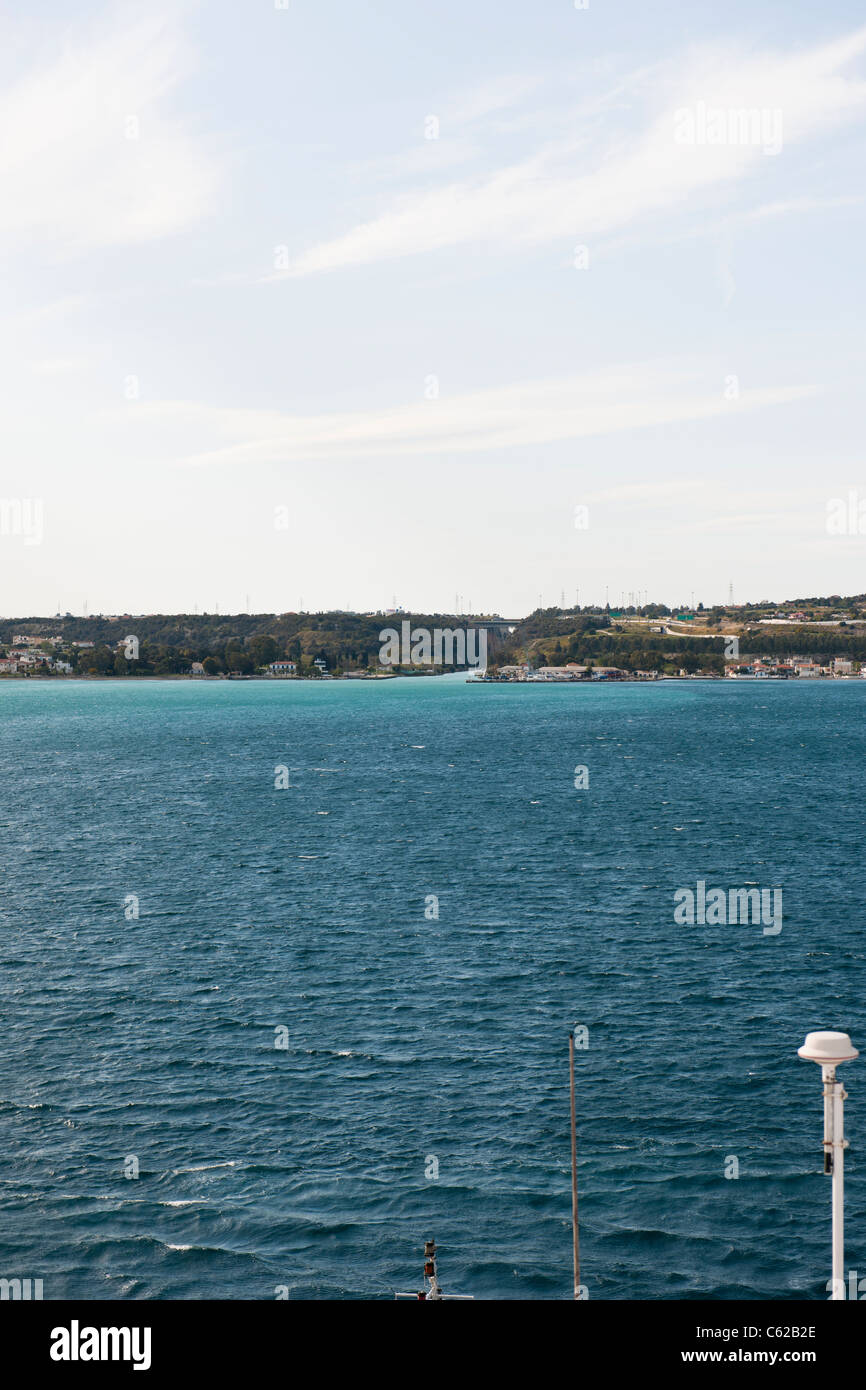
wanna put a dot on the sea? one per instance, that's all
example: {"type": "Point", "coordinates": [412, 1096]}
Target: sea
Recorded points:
{"type": "Point", "coordinates": [288, 971]}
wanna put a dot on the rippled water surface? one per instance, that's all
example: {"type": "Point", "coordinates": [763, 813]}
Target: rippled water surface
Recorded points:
{"type": "Point", "coordinates": [411, 1043]}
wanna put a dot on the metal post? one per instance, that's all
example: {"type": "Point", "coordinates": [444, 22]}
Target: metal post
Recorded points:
{"type": "Point", "coordinates": [574, 1170]}
{"type": "Point", "coordinates": [828, 1050]}
{"type": "Point", "coordinates": [835, 1094]}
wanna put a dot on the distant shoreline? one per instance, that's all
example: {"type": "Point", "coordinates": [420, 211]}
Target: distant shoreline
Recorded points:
{"type": "Point", "coordinates": [222, 679]}
{"type": "Point", "coordinates": [415, 675]}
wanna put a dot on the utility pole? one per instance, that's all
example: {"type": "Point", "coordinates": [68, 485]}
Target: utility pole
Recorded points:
{"type": "Point", "coordinates": [576, 1240]}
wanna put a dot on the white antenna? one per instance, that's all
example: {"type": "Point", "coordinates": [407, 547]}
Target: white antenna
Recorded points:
{"type": "Point", "coordinates": [433, 1291]}
{"type": "Point", "coordinates": [828, 1050]}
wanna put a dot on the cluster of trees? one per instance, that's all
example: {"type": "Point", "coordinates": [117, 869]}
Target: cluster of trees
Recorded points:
{"type": "Point", "coordinates": [779, 642]}
{"type": "Point", "coordinates": [554, 637]}
{"type": "Point", "coordinates": [233, 657]}
{"type": "Point", "coordinates": [241, 644]}
{"type": "Point", "coordinates": [594, 640]}
{"type": "Point", "coordinates": [238, 645]}
{"type": "Point", "coordinates": [553, 622]}
{"type": "Point", "coordinates": [830, 601]}
{"type": "Point", "coordinates": [639, 652]}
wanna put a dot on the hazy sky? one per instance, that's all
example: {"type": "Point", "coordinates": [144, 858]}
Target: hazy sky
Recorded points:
{"type": "Point", "coordinates": [341, 303]}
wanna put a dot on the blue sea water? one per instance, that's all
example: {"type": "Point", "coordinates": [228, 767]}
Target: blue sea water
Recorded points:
{"type": "Point", "coordinates": [411, 1044]}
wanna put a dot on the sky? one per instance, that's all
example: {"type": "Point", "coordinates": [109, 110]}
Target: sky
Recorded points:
{"type": "Point", "coordinates": [320, 304]}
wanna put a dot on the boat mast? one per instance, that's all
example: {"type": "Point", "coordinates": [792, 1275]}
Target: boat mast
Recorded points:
{"type": "Point", "coordinates": [433, 1292]}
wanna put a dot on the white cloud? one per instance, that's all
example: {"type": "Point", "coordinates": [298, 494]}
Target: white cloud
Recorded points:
{"type": "Point", "coordinates": [76, 169]}
{"type": "Point", "coordinates": [58, 366]}
{"type": "Point", "coordinates": [522, 414]}
{"type": "Point", "coordinates": [497, 94]}
{"type": "Point", "coordinates": [545, 197]}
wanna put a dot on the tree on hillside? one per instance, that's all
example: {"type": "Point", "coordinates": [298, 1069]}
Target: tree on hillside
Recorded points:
{"type": "Point", "coordinates": [263, 650]}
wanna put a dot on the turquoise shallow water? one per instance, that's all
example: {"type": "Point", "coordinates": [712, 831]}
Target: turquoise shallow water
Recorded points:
{"type": "Point", "coordinates": [410, 1040]}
